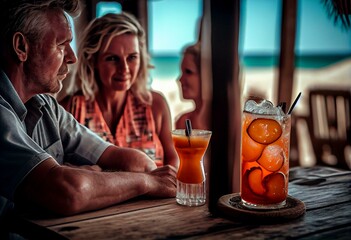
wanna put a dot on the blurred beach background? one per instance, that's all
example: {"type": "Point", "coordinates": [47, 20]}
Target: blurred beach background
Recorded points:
{"type": "Point", "coordinates": [322, 53]}
{"type": "Point", "coordinates": [323, 48]}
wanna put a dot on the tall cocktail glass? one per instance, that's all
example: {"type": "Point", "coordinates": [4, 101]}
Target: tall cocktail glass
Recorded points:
{"type": "Point", "coordinates": [191, 187]}
{"type": "Point", "coordinates": [264, 156]}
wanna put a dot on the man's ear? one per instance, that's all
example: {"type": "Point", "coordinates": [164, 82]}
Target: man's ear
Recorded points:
{"type": "Point", "coordinates": [20, 46]}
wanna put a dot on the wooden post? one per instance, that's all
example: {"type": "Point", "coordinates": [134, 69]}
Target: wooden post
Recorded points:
{"type": "Point", "coordinates": [287, 52]}
{"type": "Point", "coordinates": [226, 112]}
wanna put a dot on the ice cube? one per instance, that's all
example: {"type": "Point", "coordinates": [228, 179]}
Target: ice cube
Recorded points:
{"type": "Point", "coordinates": [250, 106]}
{"type": "Point", "coordinates": [264, 107]}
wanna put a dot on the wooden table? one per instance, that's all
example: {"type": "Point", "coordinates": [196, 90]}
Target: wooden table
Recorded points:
{"type": "Point", "coordinates": [326, 193]}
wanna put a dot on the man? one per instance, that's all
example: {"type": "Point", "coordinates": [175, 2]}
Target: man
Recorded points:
{"type": "Point", "coordinates": [40, 143]}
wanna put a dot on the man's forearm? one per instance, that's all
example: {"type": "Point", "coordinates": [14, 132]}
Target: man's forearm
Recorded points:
{"type": "Point", "coordinates": [126, 159]}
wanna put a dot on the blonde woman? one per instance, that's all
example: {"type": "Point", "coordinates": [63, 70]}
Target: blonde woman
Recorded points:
{"type": "Point", "coordinates": [114, 100]}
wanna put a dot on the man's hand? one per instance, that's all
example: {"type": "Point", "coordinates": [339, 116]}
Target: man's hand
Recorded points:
{"type": "Point", "coordinates": [163, 182]}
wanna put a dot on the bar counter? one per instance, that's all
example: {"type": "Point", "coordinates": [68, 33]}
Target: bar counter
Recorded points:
{"type": "Point", "coordinates": [326, 193]}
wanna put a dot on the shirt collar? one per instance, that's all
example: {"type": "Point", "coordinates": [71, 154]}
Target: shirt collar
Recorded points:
{"type": "Point", "coordinates": [9, 94]}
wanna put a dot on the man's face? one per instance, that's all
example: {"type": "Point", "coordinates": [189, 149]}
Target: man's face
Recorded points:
{"type": "Point", "coordinates": [48, 60]}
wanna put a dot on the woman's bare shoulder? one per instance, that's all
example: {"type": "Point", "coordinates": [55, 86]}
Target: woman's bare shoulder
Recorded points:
{"type": "Point", "coordinates": [157, 96]}
{"type": "Point", "coordinates": [159, 100]}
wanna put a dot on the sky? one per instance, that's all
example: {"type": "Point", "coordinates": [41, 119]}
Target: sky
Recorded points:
{"type": "Point", "coordinates": [174, 24]}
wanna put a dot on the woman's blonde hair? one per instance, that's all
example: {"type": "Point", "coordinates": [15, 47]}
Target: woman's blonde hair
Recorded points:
{"type": "Point", "coordinates": [108, 27]}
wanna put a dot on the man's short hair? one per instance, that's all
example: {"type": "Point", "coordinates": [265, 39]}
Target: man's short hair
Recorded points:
{"type": "Point", "coordinates": [24, 16]}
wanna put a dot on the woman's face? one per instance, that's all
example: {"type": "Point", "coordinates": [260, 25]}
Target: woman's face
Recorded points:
{"type": "Point", "coordinates": [190, 78]}
{"type": "Point", "coordinates": [118, 64]}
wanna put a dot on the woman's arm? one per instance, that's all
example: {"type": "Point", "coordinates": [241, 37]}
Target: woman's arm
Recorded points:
{"type": "Point", "coordinates": [163, 123]}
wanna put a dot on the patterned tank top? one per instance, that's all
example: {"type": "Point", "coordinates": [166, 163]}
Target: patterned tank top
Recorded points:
{"type": "Point", "coordinates": [135, 129]}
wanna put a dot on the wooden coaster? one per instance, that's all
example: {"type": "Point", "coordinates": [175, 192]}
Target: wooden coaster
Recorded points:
{"type": "Point", "coordinates": [230, 206]}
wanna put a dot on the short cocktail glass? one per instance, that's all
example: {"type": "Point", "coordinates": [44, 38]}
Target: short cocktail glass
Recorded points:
{"type": "Point", "coordinates": [264, 156]}
{"type": "Point", "coordinates": [191, 187]}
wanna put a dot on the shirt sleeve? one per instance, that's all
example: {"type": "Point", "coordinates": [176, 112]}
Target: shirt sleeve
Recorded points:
{"type": "Point", "coordinates": [19, 153]}
{"type": "Point", "coordinates": [81, 145]}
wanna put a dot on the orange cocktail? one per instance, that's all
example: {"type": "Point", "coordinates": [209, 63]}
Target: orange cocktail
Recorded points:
{"type": "Point", "coordinates": [265, 157]}
{"type": "Point", "coordinates": [191, 176]}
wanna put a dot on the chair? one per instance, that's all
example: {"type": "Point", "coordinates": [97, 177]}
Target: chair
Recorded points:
{"type": "Point", "coordinates": [329, 126]}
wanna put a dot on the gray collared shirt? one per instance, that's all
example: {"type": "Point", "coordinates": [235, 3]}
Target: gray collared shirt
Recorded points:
{"type": "Point", "coordinates": [35, 131]}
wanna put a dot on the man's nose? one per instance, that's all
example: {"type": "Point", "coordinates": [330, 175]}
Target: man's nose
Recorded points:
{"type": "Point", "coordinates": [70, 55]}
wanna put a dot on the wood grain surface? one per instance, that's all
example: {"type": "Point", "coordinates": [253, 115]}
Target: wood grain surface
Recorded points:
{"type": "Point", "coordinates": [326, 193]}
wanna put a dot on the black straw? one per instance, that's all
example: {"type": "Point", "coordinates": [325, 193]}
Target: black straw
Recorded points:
{"type": "Point", "coordinates": [188, 129]}
{"type": "Point", "coordinates": [294, 103]}
{"type": "Point", "coordinates": [282, 105]}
